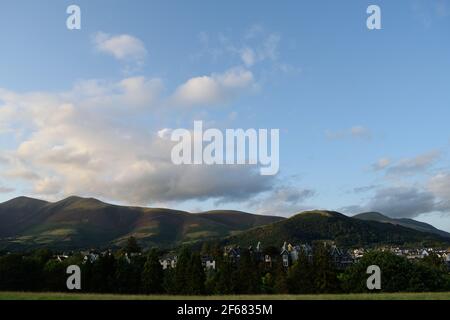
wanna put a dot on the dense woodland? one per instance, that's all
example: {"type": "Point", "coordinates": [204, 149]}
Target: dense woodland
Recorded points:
{"type": "Point", "coordinates": [143, 273]}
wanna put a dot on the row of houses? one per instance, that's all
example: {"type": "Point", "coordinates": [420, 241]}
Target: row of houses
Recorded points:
{"type": "Point", "coordinates": [420, 253]}
{"type": "Point", "coordinates": [289, 254]}
{"type": "Point", "coordinates": [340, 258]}
{"type": "Point", "coordinates": [408, 253]}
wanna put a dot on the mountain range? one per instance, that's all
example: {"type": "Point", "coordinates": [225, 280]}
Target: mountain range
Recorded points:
{"type": "Point", "coordinates": [82, 223]}
{"type": "Point", "coordinates": [78, 222]}
{"type": "Point", "coordinates": [408, 223]}
{"type": "Point", "coordinates": [310, 226]}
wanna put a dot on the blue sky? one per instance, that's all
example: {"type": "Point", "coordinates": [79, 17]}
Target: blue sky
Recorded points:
{"type": "Point", "coordinates": [363, 114]}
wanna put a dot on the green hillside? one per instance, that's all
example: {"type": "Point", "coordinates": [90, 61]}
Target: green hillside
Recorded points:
{"type": "Point", "coordinates": [328, 225]}
{"type": "Point", "coordinates": [81, 223]}
{"type": "Point", "coordinates": [84, 223]}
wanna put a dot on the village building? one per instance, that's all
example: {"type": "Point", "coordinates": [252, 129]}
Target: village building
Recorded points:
{"type": "Point", "coordinates": [233, 254]}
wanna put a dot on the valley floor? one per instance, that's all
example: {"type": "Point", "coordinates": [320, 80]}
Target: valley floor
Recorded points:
{"type": "Point", "coordinates": [374, 296]}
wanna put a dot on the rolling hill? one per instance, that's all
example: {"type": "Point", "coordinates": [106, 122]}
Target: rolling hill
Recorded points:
{"type": "Point", "coordinates": [80, 223]}
{"type": "Point", "coordinates": [76, 222]}
{"type": "Point", "coordinates": [408, 223]}
{"type": "Point", "coordinates": [329, 225]}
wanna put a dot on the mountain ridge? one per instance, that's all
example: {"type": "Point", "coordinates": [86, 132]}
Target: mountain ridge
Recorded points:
{"type": "Point", "coordinates": [77, 222]}
{"type": "Point", "coordinates": [310, 226]}
{"type": "Point", "coordinates": [409, 223]}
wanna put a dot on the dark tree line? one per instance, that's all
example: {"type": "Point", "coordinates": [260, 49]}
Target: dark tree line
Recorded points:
{"type": "Point", "coordinates": [129, 272]}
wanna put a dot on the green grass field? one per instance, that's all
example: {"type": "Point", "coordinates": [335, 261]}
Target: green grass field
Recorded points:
{"type": "Point", "coordinates": [374, 296]}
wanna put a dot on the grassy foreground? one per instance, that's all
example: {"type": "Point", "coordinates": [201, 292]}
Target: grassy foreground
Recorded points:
{"type": "Point", "coordinates": [374, 296]}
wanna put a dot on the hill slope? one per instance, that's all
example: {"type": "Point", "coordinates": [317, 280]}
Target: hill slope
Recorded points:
{"type": "Point", "coordinates": [83, 223]}
{"type": "Point", "coordinates": [76, 223]}
{"type": "Point", "coordinates": [328, 225]}
{"type": "Point", "coordinates": [408, 223]}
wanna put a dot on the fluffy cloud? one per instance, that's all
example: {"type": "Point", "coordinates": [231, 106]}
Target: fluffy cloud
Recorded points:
{"type": "Point", "coordinates": [100, 137]}
{"type": "Point", "coordinates": [122, 47]}
{"type": "Point", "coordinates": [248, 56]}
{"type": "Point", "coordinates": [360, 132]}
{"type": "Point", "coordinates": [266, 50]}
{"type": "Point", "coordinates": [257, 47]}
{"type": "Point", "coordinates": [412, 189]}
{"type": "Point", "coordinates": [402, 202]}
{"type": "Point", "coordinates": [282, 201]}
{"type": "Point", "coordinates": [214, 89]}
{"type": "Point", "coordinates": [439, 184]}
{"type": "Point", "coordinates": [77, 142]}
{"type": "Point", "coordinates": [408, 202]}
{"type": "Point", "coordinates": [411, 166]}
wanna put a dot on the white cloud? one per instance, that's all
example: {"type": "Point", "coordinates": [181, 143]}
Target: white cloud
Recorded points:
{"type": "Point", "coordinates": [402, 202]}
{"type": "Point", "coordinates": [257, 47]}
{"type": "Point", "coordinates": [408, 166]}
{"type": "Point", "coordinates": [360, 132]}
{"type": "Point", "coordinates": [127, 95]}
{"type": "Point", "coordinates": [439, 184]}
{"type": "Point", "coordinates": [122, 47]}
{"type": "Point", "coordinates": [77, 142]}
{"type": "Point", "coordinates": [248, 56]}
{"type": "Point", "coordinates": [94, 139]}
{"type": "Point", "coordinates": [398, 202]}
{"type": "Point", "coordinates": [412, 166]}
{"type": "Point", "coordinates": [284, 200]}
{"type": "Point", "coordinates": [409, 201]}
{"type": "Point", "coordinates": [214, 89]}
{"type": "Point", "coordinates": [48, 186]}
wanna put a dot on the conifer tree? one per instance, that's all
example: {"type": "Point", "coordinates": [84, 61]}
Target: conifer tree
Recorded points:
{"type": "Point", "coordinates": [300, 278]}
{"type": "Point", "coordinates": [182, 272]}
{"type": "Point", "coordinates": [280, 282]}
{"type": "Point", "coordinates": [249, 278]}
{"type": "Point", "coordinates": [325, 273]}
{"type": "Point", "coordinates": [223, 278]}
{"type": "Point", "coordinates": [197, 277]}
{"type": "Point", "coordinates": [152, 274]}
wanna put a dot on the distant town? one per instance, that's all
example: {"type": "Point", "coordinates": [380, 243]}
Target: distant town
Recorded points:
{"type": "Point", "coordinates": [288, 255]}
{"type": "Point", "coordinates": [307, 268]}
